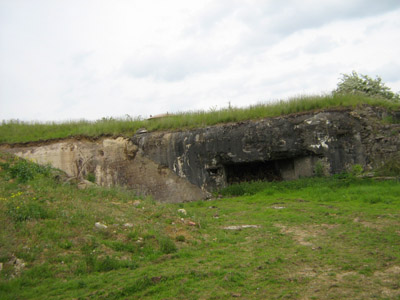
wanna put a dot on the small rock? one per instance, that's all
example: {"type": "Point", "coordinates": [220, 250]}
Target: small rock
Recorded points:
{"type": "Point", "coordinates": [236, 295]}
{"type": "Point", "coordinates": [368, 175]}
{"type": "Point", "coordinates": [84, 184]}
{"type": "Point", "coordinates": [156, 279]}
{"type": "Point", "coordinates": [182, 211]}
{"type": "Point", "coordinates": [18, 265]}
{"type": "Point", "coordinates": [100, 225]}
{"type": "Point", "coordinates": [129, 225]}
{"type": "Point", "coordinates": [141, 131]}
{"type": "Point", "coordinates": [278, 207]}
{"type": "Point", "coordinates": [239, 227]}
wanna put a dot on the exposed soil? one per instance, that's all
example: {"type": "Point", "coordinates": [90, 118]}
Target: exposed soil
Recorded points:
{"type": "Point", "coordinates": [55, 140]}
{"type": "Point", "coordinates": [306, 234]}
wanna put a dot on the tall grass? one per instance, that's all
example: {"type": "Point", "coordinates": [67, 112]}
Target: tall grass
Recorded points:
{"type": "Point", "coordinates": [16, 131]}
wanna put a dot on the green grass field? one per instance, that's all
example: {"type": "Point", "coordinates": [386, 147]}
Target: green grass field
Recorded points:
{"type": "Point", "coordinates": [316, 238]}
{"type": "Point", "coordinates": [14, 131]}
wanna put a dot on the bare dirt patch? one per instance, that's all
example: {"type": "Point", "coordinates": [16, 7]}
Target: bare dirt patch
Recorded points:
{"type": "Point", "coordinates": [368, 224]}
{"type": "Point", "coordinates": [330, 285]}
{"type": "Point", "coordinates": [306, 235]}
{"type": "Point", "coordinates": [335, 283]}
{"type": "Point", "coordinates": [379, 224]}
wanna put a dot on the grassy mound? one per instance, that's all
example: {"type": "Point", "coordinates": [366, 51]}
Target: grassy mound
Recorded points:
{"type": "Point", "coordinates": [15, 131]}
{"type": "Point", "coordinates": [327, 238]}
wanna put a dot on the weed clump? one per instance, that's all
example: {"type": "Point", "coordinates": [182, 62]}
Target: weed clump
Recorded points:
{"type": "Point", "coordinates": [390, 167]}
{"type": "Point", "coordinates": [180, 238]}
{"type": "Point", "coordinates": [167, 246]}
{"type": "Point", "coordinates": [356, 170]}
{"type": "Point", "coordinates": [110, 263]}
{"type": "Point", "coordinates": [319, 169]}
{"type": "Point", "coordinates": [22, 210]}
{"type": "Point", "coordinates": [24, 170]}
{"type": "Point", "coordinates": [244, 188]}
{"type": "Point", "coordinates": [93, 262]}
{"type": "Point", "coordinates": [91, 177]}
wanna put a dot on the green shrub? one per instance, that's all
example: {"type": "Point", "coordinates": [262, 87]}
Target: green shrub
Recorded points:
{"type": "Point", "coordinates": [133, 235]}
{"type": "Point", "coordinates": [110, 263]}
{"type": "Point", "coordinates": [135, 287]}
{"type": "Point", "coordinates": [356, 170]}
{"type": "Point", "coordinates": [91, 177]}
{"type": "Point", "coordinates": [355, 83]}
{"type": "Point", "coordinates": [167, 246]}
{"type": "Point", "coordinates": [319, 169]}
{"type": "Point", "coordinates": [244, 188]}
{"type": "Point", "coordinates": [180, 238]}
{"type": "Point", "coordinates": [92, 263]}
{"type": "Point", "coordinates": [107, 264]}
{"type": "Point", "coordinates": [66, 244]}
{"type": "Point", "coordinates": [373, 199]}
{"type": "Point", "coordinates": [42, 271]}
{"type": "Point", "coordinates": [24, 170]}
{"type": "Point", "coordinates": [390, 167]}
{"type": "Point", "coordinates": [122, 246]}
{"type": "Point", "coordinates": [21, 210]}
{"type": "Point", "coordinates": [234, 279]}
{"type": "Point", "coordinates": [342, 176]}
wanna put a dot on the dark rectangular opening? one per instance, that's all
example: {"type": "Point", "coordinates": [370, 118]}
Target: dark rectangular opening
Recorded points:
{"type": "Point", "coordinates": [252, 171]}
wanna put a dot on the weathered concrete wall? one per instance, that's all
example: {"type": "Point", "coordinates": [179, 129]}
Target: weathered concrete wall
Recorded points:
{"type": "Point", "coordinates": [286, 147]}
{"type": "Point", "coordinates": [187, 165]}
{"type": "Point", "coordinates": [113, 162]}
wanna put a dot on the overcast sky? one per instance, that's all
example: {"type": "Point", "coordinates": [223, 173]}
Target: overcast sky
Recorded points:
{"type": "Point", "coordinates": [74, 59]}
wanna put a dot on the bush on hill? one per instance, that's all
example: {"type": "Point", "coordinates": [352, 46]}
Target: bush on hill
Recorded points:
{"type": "Point", "coordinates": [355, 83]}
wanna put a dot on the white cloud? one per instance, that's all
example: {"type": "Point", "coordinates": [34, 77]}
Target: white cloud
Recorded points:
{"type": "Point", "coordinates": [90, 59]}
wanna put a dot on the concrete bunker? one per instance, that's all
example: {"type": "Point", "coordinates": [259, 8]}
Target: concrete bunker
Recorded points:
{"type": "Point", "coordinates": [270, 149]}
{"type": "Point", "coordinates": [186, 165]}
